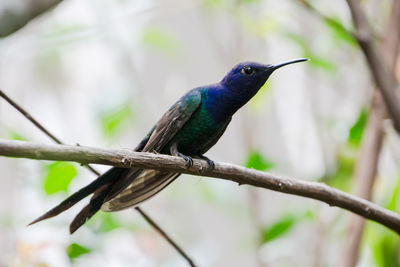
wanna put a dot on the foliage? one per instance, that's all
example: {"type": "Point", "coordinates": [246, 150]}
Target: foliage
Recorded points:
{"type": "Point", "coordinates": [14, 135]}
{"type": "Point", "coordinates": [341, 178]}
{"type": "Point", "coordinates": [67, 54]}
{"type": "Point", "coordinates": [316, 60]}
{"type": "Point", "coordinates": [339, 32]}
{"type": "Point", "coordinates": [256, 160]}
{"type": "Point", "coordinates": [346, 158]}
{"type": "Point", "coordinates": [394, 199]}
{"type": "Point", "coordinates": [279, 228]}
{"type": "Point", "coordinates": [282, 226]}
{"type": "Point", "coordinates": [104, 222]}
{"type": "Point", "coordinates": [113, 120]}
{"type": "Point", "coordinates": [385, 244]}
{"type": "Point", "coordinates": [75, 250]}
{"type": "Point", "coordinates": [58, 176]}
{"type": "Point", "coordinates": [357, 130]}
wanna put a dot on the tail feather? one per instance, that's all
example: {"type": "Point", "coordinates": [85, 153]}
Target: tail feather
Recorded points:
{"type": "Point", "coordinates": [101, 195]}
{"type": "Point", "coordinates": [145, 185]}
{"type": "Point", "coordinates": [115, 190]}
{"type": "Point", "coordinates": [104, 179]}
{"type": "Point", "coordinates": [90, 209]}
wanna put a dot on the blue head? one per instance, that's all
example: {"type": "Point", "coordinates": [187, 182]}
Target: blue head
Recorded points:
{"type": "Point", "coordinates": [246, 78]}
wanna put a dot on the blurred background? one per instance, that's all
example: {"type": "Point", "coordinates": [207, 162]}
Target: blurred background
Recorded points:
{"type": "Point", "coordinates": [101, 73]}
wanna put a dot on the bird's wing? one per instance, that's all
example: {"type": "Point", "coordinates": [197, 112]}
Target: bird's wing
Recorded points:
{"type": "Point", "coordinates": [173, 120]}
{"type": "Point", "coordinates": [120, 188]}
{"type": "Point", "coordinates": [144, 184]}
{"type": "Point", "coordinates": [165, 129]}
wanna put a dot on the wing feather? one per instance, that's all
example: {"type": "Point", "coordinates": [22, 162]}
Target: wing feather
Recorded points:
{"type": "Point", "coordinates": [173, 120]}
{"type": "Point", "coordinates": [144, 184]}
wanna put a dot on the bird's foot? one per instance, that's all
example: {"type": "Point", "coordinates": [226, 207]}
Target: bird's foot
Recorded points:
{"type": "Point", "coordinates": [211, 164]}
{"type": "Point", "coordinates": [188, 159]}
{"type": "Point", "coordinates": [174, 151]}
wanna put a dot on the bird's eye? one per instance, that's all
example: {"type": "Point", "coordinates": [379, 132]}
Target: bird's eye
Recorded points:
{"type": "Point", "coordinates": [247, 70]}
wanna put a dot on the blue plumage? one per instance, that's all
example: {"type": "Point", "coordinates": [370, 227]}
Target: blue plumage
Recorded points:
{"type": "Point", "coordinates": [188, 129]}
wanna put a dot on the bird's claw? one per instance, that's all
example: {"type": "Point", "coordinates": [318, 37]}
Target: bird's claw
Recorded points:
{"type": "Point", "coordinates": [211, 164]}
{"type": "Point", "coordinates": [189, 161]}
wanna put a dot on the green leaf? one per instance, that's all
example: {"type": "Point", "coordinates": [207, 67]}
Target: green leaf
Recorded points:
{"type": "Point", "coordinates": [339, 31]}
{"type": "Point", "coordinates": [113, 120]}
{"type": "Point", "coordinates": [256, 161]}
{"type": "Point", "coordinates": [320, 62]}
{"type": "Point", "coordinates": [283, 225]}
{"type": "Point", "coordinates": [385, 243]}
{"type": "Point", "coordinates": [341, 179]}
{"type": "Point", "coordinates": [104, 222]}
{"type": "Point", "coordinates": [357, 130]}
{"type": "Point", "coordinates": [161, 40]}
{"type": "Point", "coordinates": [392, 205]}
{"type": "Point", "coordinates": [108, 222]}
{"type": "Point", "coordinates": [316, 60]}
{"type": "Point", "coordinates": [14, 135]}
{"type": "Point", "coordinates": [278, 229]}
{"type": "Point", "coordinates": [58, 176]}
{"type": "Point", "coordinates": [75, 250]}
{"type": "Point", "coordinates": [385, 246]}
{"type": "Point", "coordinates": [309, 215]}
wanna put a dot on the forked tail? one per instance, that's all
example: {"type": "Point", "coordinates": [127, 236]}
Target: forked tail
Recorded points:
{"type": "Point", "coordinates": [100, 188]}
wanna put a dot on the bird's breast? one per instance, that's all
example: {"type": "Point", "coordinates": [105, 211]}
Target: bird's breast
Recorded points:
{"type": "Point", "coordinates": [197, 133]}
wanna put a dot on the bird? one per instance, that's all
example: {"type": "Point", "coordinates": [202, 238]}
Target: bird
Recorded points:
{"type": "Point", "coordinates": [189, 128]}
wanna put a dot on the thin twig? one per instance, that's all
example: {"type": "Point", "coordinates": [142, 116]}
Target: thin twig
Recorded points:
{"type": "Point", "coordinates": [366, 166]}
{"type": "Point", "coordinates": [161, 231]}
{"type": "Point", "coordinates": [241, 175]}
{"type": "Point", "coordinates": [141, 211]}
{"type": "Point", "coordinates": [384, 78]}
{"type": "Point", "coordinates": [367, 163]}
{"type": "Point", "coordinates": [364, 178]}
{"type": "Point", "coordinates": [29, 117]}
{"type": "Point", "coordinates": [365, 36]}
{"type": "Point", "coordinates": [315, 11]}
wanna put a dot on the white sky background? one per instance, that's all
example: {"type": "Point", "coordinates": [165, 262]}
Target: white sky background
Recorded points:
{"type": "Point", "coordinates": [97, 59]}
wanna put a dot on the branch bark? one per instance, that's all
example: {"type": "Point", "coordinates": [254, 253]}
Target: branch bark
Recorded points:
{"type": "Point", "coordinates": [384, 79]}
{"type": "Point", "coordinates": [144, 214]}
{"type": "Point", "coordinates": [366, 168]}
{"type": "Point", "coordinates": [226, 171]}
{"type": "Point", "coordinates": [16, 15]}
{"type": "Point", "coordinates": [365, 174]}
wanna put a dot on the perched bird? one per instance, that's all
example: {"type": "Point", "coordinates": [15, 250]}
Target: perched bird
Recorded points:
{"type": "Point", "coordinates": [188, 129]}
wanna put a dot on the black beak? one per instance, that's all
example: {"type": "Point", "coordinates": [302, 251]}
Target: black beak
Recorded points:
{"type": "Point", "coordinates": [275, 67]}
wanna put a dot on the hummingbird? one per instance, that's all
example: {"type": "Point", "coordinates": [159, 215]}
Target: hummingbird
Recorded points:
{"type": "Point", "coordinates": [188, 129]}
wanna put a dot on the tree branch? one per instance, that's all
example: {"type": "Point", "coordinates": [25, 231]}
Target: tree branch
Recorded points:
{"type": "Point", "coordinates": [384, 79]}
{"type": "Point", "coordinates": [226, 171]}
{"type": "Point", "coordinates": [365, 176]}
{"type": "Point", "coordinates": [367, 163]}
{"type": "Point", "coordinates": [366, 166]}
{"type": "Point", "coordinates": [16, 15]}
{"type": "Point", "coordinates": [27, 115]}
